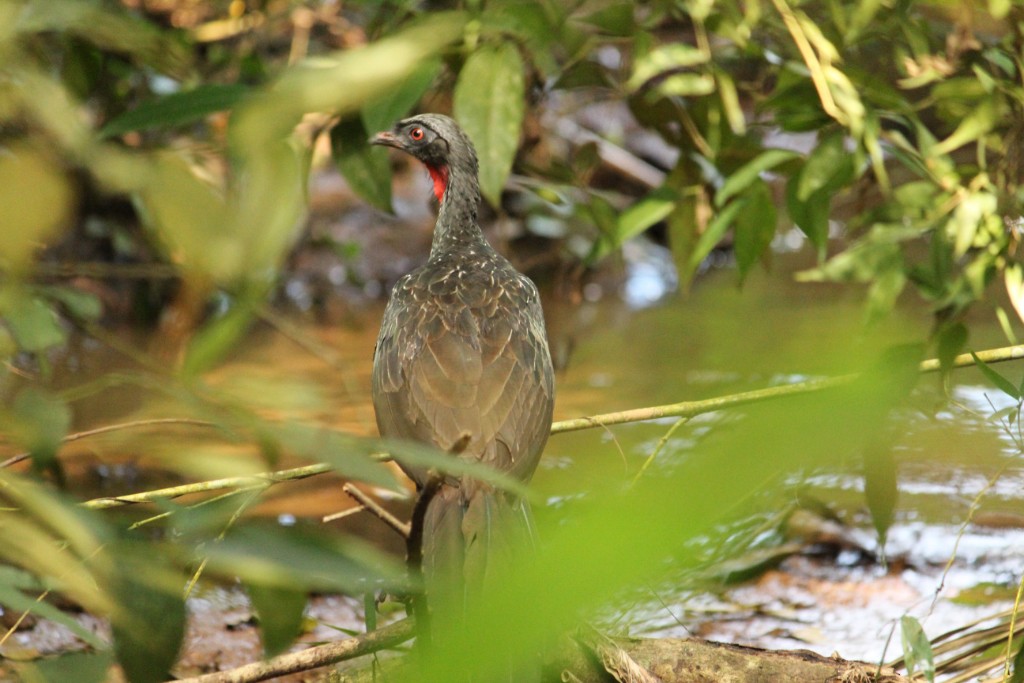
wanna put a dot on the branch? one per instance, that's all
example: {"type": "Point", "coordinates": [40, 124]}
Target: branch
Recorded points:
{"type": "Point", "coordinates": [313, 657]}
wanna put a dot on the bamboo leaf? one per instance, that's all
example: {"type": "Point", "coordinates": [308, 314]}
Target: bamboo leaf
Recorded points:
{"type": "Point", "coordinates": [1004, 385]}
{"type": "Point", "coordinates": [489, 103]}
{"type": "Point", "coordinates": [646, 212]}
{"type": "Point", "coordinates": [755, 227]}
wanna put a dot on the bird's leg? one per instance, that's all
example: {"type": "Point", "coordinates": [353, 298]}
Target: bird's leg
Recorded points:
{"type": "Point", "coordinates": [414, 549]}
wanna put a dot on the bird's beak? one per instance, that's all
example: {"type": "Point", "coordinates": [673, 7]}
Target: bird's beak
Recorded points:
{"type": "Point", "coordinates": [386, 138]}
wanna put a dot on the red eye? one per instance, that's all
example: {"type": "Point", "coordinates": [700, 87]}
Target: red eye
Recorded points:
{"type": "Point", "coordinates": [416, 134]}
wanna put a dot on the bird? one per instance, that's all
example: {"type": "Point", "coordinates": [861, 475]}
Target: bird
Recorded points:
{"type": "Point", "coordinates": [462, 364]}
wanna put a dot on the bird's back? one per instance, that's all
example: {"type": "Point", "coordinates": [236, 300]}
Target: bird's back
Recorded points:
{"type": "Point", "coordinates": [462, 362]}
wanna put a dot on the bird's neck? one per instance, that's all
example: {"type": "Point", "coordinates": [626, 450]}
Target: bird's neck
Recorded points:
{"type": "Point", "coordinates": [458, 191]}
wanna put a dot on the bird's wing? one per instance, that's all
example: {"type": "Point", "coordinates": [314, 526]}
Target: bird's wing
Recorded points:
{"type": "Point", "coordinates": [466, 367]}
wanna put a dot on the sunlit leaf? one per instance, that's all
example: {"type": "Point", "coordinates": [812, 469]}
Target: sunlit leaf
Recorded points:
{"type": "Point", "coordinates": [177, 109]}
{"type": "Point", "coordinates": [280, 613]}
{"type": "Point", "coordinates": [917, 650]}
{"type": "Point", "coordinates": [730, 102]}
{"type": "Point", "coordinates": [489, 103]}
{"type": "Point", "coordinates": [36, 198]}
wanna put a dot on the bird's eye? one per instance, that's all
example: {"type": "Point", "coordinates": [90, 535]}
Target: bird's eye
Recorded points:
{"type": "Point", "coordinates": [416, 134]}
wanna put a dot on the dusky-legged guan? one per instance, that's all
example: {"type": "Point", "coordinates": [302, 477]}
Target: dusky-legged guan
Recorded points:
{"type": "Point", "coordinates": [462, 363]}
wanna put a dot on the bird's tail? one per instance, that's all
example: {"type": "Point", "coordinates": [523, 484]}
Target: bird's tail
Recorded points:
{"type": "Point", "coordinates": [471, 535]}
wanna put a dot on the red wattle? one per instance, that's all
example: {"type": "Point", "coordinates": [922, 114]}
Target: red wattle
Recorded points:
{"type": "Point", "coordinates": [439, 174]}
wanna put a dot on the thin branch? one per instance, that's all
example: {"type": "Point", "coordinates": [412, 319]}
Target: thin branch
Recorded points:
{"type": "Point", "coordinates": [115, 428]}
{"type": "Point", "coordinates": [251, 481]}
{"type": "Point", "coordinates": [382, 514]}
{"type": "Point", "coordinates": [313, 657]}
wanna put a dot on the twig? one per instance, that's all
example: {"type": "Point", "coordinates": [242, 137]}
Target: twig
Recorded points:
{"type": "Point", "coordinates": [257, 480]}
{"type": "Point", "coordinates": [382, 514]}
{"type": "Point", "coordinates": [313, 657]}
{"type": "Point", "coordinates": [115, 428]}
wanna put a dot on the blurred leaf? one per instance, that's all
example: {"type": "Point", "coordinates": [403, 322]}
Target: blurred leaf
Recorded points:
{"type": "Point", "coordinates": [977, 123]}
{"type": "Point", "coordinates": [41, 422]}
{"type": "Point", "coordinates": [489, 103]}
{"type": "Point", "coordinates": [754, 227]}
{"type": "Point", "coordinates": [365, 167]}
{"type": "Point", "coordinates": [646, 212]}
{"type": "Point", "coordinates": [828, 167]}
{"type": "Point", "coordinates": [290, 559]}
{"type": "Point", "coordinates": [79, 304]}
{"type": "Point", "coordinates": [743, 177]}
{"type": "Point", "coordinates": [1013, 278]}
{"type": "Point", "coordinates": [280, 613]}
{"type": "Point", "coordinates": [951, 340]}
{"type": "Point", "coordinates": [14, 600]}
{"type": "Point", "coordinates": [1004, 385]}
{"type": "Point", "coordinates": [1018, 665]}
{"type": "Point", "coordinates": [81, 667]}
{"type": "Point", "coordinates": [811, 216]}
{"type": "Point", "coordinates": [109, 27]}
{"type": "Point", "coordinates": [177, 109]}
{"type": "Point", "coordinates": [684, 85]}
{"type": "Point", "coordinates": [348, 455]}
{"type": "Point", "coordinates": [664, 59]}
{"type": "Point", "coordinates": [917, 651]}
{"type": "Point", "coordinates": [33, 324]}
{"type": "Point", "coordinates": [880, 487]}
{"type": "Point", "coordinates": [382, 112]}
{"type": "Point", "coordinates": [216, 339]}
{"type": "Point", "coordinates": [615, 19]}
{"type": "Point", "coordinates": [726, 87]}
{"type": "Point", "coordinates": [149, 623]}
{"type": "Point", "coordinates": [36, 198]}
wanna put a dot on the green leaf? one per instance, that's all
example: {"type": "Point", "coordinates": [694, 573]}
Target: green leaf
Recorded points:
{"type": "Point", "coordinates": [711, 236]}
{"type": "Point", "coordinates": [667, 58]}
{"type": "Point", "coordinates": [754, 227]}
{"type": "Point", "coordinates": [42, 420]}
{"type": "Point", "coordinates": [828, 167]}
{"type": "Point", "coordinates": [348, 455]}
{"type": "Point", "coordinates": [33, 324]}
{"type": "Point", "coordinates": [215, 340]}
{"type": "Point", "coordinates": [951, 340]}
{"type": "Point", "coordinates": [880, 487]}
{"type": "Point", "coordinates": [1018, 666]}
{"type": "Point", "coordinates": [811, 216]}
{"type": "Point", "coordinates": [149, 624]}
{"type": "Point", "coordinates": [917, 651]}
{"type": "Point", "coordinates": [978, 122]}
{"type": "Point", "coordinates": [79, 304]}
{"type": "Point", "coordinates": [13, 599]}
{"type": "Point", "coordinates": [382, 112]}
{"type": "Point", "coordinates": [177, 109]}
{"type": "Point", "coordinates": [81, 667]}
{"type": "Point", "coordinates": [616, 19]}
{"type": "Point", "coordinates": [1004, 385]}
{"type": "Point", "coordinates": [489, 103]}
{"type": "Point", "coordinates": [280, 613]}
{"type": "Point", "coordinates": [646, 212]}
{"type": "Point", "coordinates": [751, 171]}
{"type": "Point", "coordinates": [365, 166]}
{"type": "Point", "coordinates": [36, 197]}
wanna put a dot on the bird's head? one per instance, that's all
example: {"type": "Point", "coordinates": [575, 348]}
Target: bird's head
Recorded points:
{"type": "Point", "coordinates": [438, 142]}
